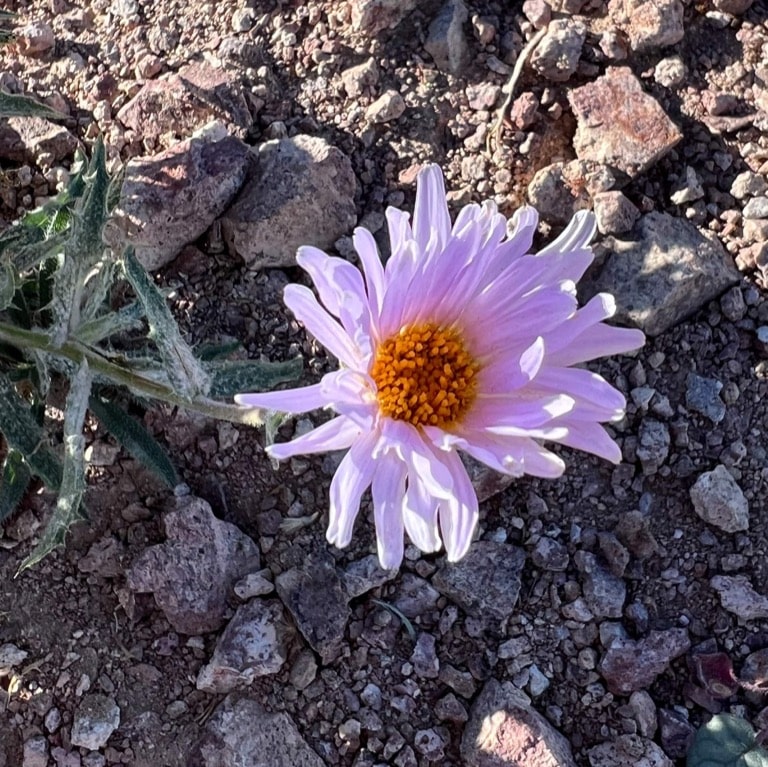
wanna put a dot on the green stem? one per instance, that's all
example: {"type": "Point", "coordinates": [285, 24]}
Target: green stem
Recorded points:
{"type": "Point", "coordinates": [77, 352]}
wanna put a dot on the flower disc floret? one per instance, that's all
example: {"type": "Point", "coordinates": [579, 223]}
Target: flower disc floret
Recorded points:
{"type": "Point", "coordinates": [424, 375]}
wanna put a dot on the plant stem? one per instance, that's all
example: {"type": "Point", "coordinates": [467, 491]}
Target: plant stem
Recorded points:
{"type": "Point", "coordinates": [100, 365]}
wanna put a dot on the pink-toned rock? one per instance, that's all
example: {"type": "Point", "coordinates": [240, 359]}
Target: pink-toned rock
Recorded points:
{"type": "Point", "coordinates": [35, 38]}
{"type": "Point", "coordinates": [171, 198]}
{"type": "Point", "coordinates": [630, 665]}
{"type": "Point", "coordinates": [35, 140]}
{"type": "Point", "coordinates": [618, 124]}
{"type": "Point", "coordinates": [503, 729]}
{"type": "Point", "coordinates": [628, 751]}
{"type": "Point", "coordinates": [179, 103]}
{"type": "Point", "coordinates": [734, 7]}
{"type": "Point", "coordinates": [193, 572]}
{"type": "Point", "coordinates": [652, 24]}
{"type": "Point", "coordinates": [373, 16]}
{"type": "Point", "coordinates": [300, 193]}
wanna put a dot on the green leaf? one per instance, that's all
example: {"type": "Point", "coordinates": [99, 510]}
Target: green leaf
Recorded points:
{"type": "Point", "coordinates": [67, 510]}
{"type": "Point", "coordinates": [124, 319]}
{"type": "Point", "coordinates": [14, 105]}
{"type": "Point", "coordinates": [134, 438]}
{"type": "Point", "coordinates": [230, 378]}
{"type": "Point", "coordinates": [185, 372]}
{"type": "Point", "coordinates": [210, 352]}
{"type": "Point", "coordinates": [726, 741]}
{"type": "Point", "coordinates": [23, 433]}
{"type": "Point", "coordinates": [7, 284]}
{"type": "Point", "coordinates": [15, 481]}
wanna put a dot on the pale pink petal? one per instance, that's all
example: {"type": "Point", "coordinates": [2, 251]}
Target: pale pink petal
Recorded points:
{"type": "Point", "coordinates": [388, 494]}
{"type": "Point", "coordinates": [518, 412]}
{"type": "Point", "coordinates": [337, 434]}
{"type": "Point", "coordinates": [591, 393]}
{"type": "Point", "coordinates": [286, 401]}
{"type": "Point", "coordinates": [578, 234]}
{"type": "Point", "coordinates": [431, 220]}
{"type": "Point", "coordinates": [539, 462]}
{"type": "Point", "coordinates": [350, 481]}
{"type": "Point", "coordinates": [400, 235]}
{"type": "Point", "coordinates": [420, 515]}
{"type": "Point", "coordinates": [420, 457]}
{"type": "Point", "coordinates": [505, 373]}
{"type": "Point", "coordinates": [591, 438]}
{"type": "Point", "coordinates": [458, 514]}
{"type": "Point", "coordinates": [373, 269]}
{"type": "Point", "coordinates": [302, 302]}
{"type": "Point", "coordinates": [352, 394]}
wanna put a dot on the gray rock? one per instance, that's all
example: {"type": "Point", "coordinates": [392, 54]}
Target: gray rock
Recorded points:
{"type": "Point", "coordinates": [738, 596]}
{"type": "Point", "coordinates": [619, 125]}
{"type": "Point", "coordinates": [450, 709]}
{"type": "Point", "coordinates": [316, 598]}
{"type": "Point", "coordinates": [630, 665]}
{"type": "Point", "coordinates": [193, 572]}
{"type": "Point", "coordinates": [176, 105]}
{"type": "Point", "coordinates": [241, 732]}
{"type": "Point", "coordinates": [614, 213]}
{"type": "Point", "coordinates": [96, 718]}
{"type": "Point", "coordinates": [446, 42]}
{"type": "Point", "coordinates": [757, 207]}
{"type": "Point", "coordinates": [718, 500]}
{"type": "Point", "coordinates": [389, 106]}
{"type": "Point", "coordinates": [364, 575]}
{"type": "Point", "coordinates": [304, 669]}
{"type": "Point", "coordinates": [253, 644]}
{"type": "Point", "coordinates": [557, 55]}
{"type": "Point", "coordinates": [35, 752]}
{"type": "Point", "coordinates": [426, 664]}
{"type": "Point", "coordinates": [748, 184]}
{"type": "Point", "coordinates": [664, 271]}
{"type": "Point", "coordinates": [557, 191]}
{"type": "Point", "coordinates": [628, 751]}
{"type": "Point", "coordinates": [549, 554]}
{"type": "Point", "coordinates": [689, 190]}
{"type": "Point", "coordinates": [604, 593]}
{"type": "Point", "coordinates": [676, 733]}
{"type": "Point", "coordinates": [670, 72]}
{"type": "Point", "coordinates": [486, 583]}
{"type": "Point", "coordinates": [415, 596]}
{"type": "Point", "coordinates": [734, 7]}
{"type": "Point", "coordinates": [35, 140]}
{"type": "Point", "coordinates": [254, 585]}
{"type": "Point", "coordinates": [373, 16]}
{"type": "Point", "coordinates": [35, 38]}
{"type": "Point", "coordinates": [170, 199]}
{"type": "Point", "coordinates": [430, 744]}
{"type": "Point", "coordinates": [703, 396]}
{"type": "Point", "coordinates": [644, 712]}
{"type": "Point", "coordinates": [616, 555]}
{"type": "Point", "coordinates": [356, 80]}
{"type": "Point", "coordinates": [11, 656]}
{"type": "Point", "coordinates": [653, 24]}
{"type": "Point", "coordinates": [301, 193]}
{"type": "Point", "coordinates": [503, 729]}
{"type": "Point", "coordinates": [653, 445]}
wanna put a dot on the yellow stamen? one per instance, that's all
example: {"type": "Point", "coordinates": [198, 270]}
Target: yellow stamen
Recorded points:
{"type": "Point", "coordinates": [425, 375]}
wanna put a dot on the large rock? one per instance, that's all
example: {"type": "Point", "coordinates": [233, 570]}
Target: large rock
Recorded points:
{"type": "Point", "coordinates": [486, 582]}
{"type": "Point", "coordinates": [373, 16]}
{"type": "Point", "coordinates": [650, 24]}
{"type": "Point", "coordinates": [170, 199]}
{"type": "Point", "coordinates": [620, 125]}
{"type": "Point", "coordinates": [738, 596]}
{"type": "Point", "coordinates": [96, 718]}
{"type": "Point", "coordinates": [316, 598]}
{"type": "Point", "coordinates": [446, 42]}
{"type": "Point", "coordinates": [193, 572]}
{"type": "Point", "coordinates": [718, 500]}
{"type": "Point", "coordinates": [35, 140]}
{"type": "Point", "coordinates": [630, 665]}
{"type": "Point", "coordinates": [557, 55]}
{"type": "Point", "coordinates": [503, 729]}
{"type": "Point", "coordinates": [628, 751]}
{"type": "Point", "coordinates": [301, 193]}
{"type": "Point", "coordinates": [241, 732]}
{"type": "Point", "coordinates": [664, 271]}
{"type": "Point", "coordinates": [176, 105]}
{"type": "Point", "coordinates": [254, 643]}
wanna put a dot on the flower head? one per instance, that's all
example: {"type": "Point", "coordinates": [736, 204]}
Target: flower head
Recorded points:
{"type": "Point", "coordinates": [463, 341]}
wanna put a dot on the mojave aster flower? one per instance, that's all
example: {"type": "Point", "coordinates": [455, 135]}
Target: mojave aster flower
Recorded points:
{"type": "Point", "coordinates": [464, 341]}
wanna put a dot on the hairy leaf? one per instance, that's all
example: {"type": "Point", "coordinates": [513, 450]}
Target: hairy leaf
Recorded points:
{"type": "Point", "coordinates": [726, 741]}
{"type": "Point", "coordinates": [230, 378]}
{"type": "Point", "coordinates": [185, 372]}
{"type": "Point", "coordinates": [15, 481]}
{"type": "Point", "coordinates": [100, 328]}
{"type": "Point", "coordinates": [135, 438]}
{"type": "Point", "coordinates": [14, 105]}
{"type": "Point", "coordinates": [67, 510]}
{"type": "Point", "coordinates": [7, 284]}
{"type": "Point", "coordinates": [23, 433]}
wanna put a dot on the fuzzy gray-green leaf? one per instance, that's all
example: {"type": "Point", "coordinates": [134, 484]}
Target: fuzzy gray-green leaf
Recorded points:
{"type": "Point", "coordinates": [102, 327]}
{"type": "Point", "coordinates": [15, 105]}
{"type": "Point", "coordinates": [185, 372]}
{"type": "Point", "coordinates": [24, 434]}
{"type": "Point", "coordinates": [67, 510]}
{"type": "Point", "coordinates": [134, 438]}
{"type": "Point", "coordinates": [7, 284]}
{"type": "Point", "coordinates": [726, 741]}
{"type": "Point", "coordinates": [14, 483]}
{"type": "Point", "coordinates": [230, 378]}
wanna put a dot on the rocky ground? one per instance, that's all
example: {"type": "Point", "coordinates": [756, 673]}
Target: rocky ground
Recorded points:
{"type": "Point", "coordinates": [598, 619]}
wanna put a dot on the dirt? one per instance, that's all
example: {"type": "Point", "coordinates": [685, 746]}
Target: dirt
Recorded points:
{"type": "Point", "coordinates": [73, 624]}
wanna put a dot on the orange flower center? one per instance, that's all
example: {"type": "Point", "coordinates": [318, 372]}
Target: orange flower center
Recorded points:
{"type": "Point", "coordinates": [425, 375]}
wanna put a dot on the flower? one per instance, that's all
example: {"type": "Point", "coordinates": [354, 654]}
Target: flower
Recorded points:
{"type": "Point", "coordinates": [464, 341]}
